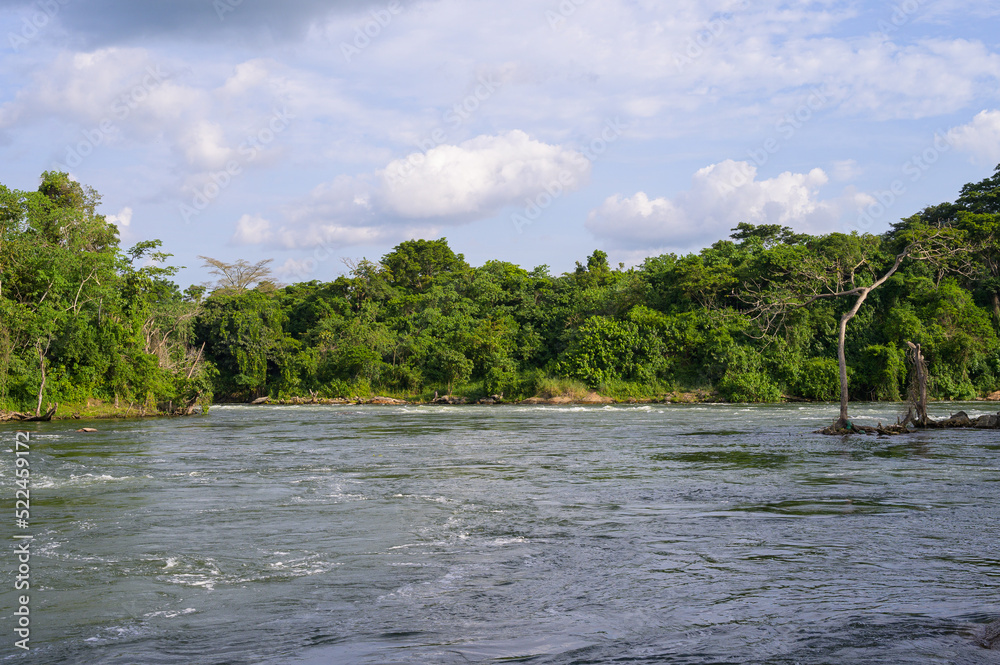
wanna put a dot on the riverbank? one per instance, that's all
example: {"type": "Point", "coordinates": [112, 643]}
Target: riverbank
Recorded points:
{"type": "Point", "coordinates": [95, 409]}
{"type": "Point", "coordinates": [590, 398]}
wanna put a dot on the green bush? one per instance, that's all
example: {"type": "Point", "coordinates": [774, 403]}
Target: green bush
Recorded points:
{"type": "Point", "coordinates": [818, 379]}
{"type": "Point", "coordinates": [880, 373]}
{"type": "Point", "coordinates": [748, 386]}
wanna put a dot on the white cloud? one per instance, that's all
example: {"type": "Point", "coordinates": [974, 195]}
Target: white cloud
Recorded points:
{"type": "Point", "coordinates": [296, 269]}
{"type": "Point", "coordinates": [981, 137]}
{"type": "Point", "coordinates": [252, 230]}
{"type": "Point", "coordinates": [750, 65]}
{"type": "Point", "coordinates": [477, 178]}
{"type": "Point", "coordinates": [204, 145]}
{"type": "Point", "coordinates": [129, 97]}
{"type": "Point", "coordinates": [123, 218]}
{"type": "Point", "coordinates": [424, 192]}
{"type": "Point", "coordinates": [721, 196]}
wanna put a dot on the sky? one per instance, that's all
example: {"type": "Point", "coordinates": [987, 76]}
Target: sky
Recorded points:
{"type": "Point", "coordinates": [531, 131]}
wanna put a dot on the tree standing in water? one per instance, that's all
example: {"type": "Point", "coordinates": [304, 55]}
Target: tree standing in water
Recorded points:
{"type": "Point", "coordinates": [840, 265]}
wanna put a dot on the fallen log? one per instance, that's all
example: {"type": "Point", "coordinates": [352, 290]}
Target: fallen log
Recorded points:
{"type": "Point", "coordinates": [44, 417]}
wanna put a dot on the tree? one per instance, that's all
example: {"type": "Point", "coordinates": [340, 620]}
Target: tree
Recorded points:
{"type": "Point", "coordinates": [415, 264]}
{"type": "Point", "coordinates": [848, 266]}
{"type": "Point", "coordinates": [238, 277]}
{"type": "Point", "coordinates": [242, 334]}
{"type": "Point", "coordinates": [977, 211]}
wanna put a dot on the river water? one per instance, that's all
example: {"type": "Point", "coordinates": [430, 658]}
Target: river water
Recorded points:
{"type": "Point", "coordinates": [626, 534]}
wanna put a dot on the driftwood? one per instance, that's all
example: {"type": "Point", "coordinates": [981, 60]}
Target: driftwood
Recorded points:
{"type": "Point", "coordinates": [43, 417]}
{"type": "Point", "coordinates": [852, 428]}
{"type": "Point", "coordinates": [960, 420]}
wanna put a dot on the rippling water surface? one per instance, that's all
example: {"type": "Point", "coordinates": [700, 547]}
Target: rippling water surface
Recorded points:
{"type": "Point", "coordinates": [662, 534]}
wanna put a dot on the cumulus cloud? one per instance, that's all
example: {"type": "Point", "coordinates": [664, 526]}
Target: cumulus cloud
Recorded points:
{"type": "Point", "coordinates": [981, 137]}
{"type": "Point", "coordinates": [424, 192]}
{"type": "Point", "coordinates": [478, 177]}
{"type": "Point", "coordinates": [126, 98]}
{"type": "Point", "coordinates": [252, 230]}
{"type": "Point", "coordinates": [721, 196]}
{"type": "Point", "coordinates": [123, 218]}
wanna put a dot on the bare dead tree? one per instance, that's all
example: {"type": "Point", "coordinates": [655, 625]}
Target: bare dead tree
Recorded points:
{"type": "Point", "coordinates": [920, 398]}
{"type": "Point", "coordinates": [41, 364]}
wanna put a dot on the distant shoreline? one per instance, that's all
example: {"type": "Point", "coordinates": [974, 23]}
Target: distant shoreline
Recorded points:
{"type": "Point", "coordinates": [107, 412]}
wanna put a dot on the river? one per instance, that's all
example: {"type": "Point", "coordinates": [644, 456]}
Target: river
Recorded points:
{"type": "Point", "coordinates": [557, 535]}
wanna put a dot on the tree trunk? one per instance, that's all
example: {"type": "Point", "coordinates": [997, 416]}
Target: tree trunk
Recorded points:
{"type": "Point", "coordinates": [842, 364]}
{"type": "Point", "coordinates": [196, 359]}
{"type": "Point", "coordinates": [921, 376]}
{"type": "Point", "coordinates": [922, 382]}
{"type": "Point", "coordinates": [41, 387]}
{"type": "Point", "coordinates": [842, 421]}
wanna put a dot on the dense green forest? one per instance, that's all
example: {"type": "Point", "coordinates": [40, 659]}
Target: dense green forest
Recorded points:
{"type": "Point", "coordinates": [752, 318]}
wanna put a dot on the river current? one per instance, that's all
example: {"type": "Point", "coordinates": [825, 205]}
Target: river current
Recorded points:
{"type": "Point", "coordinates": [559, 535]}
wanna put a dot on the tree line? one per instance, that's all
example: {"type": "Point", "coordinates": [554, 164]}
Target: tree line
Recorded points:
{"type": "Point", "coordinates": [761, 316]}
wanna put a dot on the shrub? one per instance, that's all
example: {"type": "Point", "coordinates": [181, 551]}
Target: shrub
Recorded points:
{"type": "Point", "coordinates": [748, 386]}
{"type": "Point", "coordinates": [819, 379]}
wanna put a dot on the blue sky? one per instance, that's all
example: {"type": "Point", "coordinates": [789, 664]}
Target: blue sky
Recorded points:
{"type": "Point", "coordinates": [528, 131]}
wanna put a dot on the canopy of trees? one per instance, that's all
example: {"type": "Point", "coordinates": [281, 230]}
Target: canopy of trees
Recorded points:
{"type": "Point", "coordinates": [80, 318]}
{"type": "Point", "coordinates": [755, 317]}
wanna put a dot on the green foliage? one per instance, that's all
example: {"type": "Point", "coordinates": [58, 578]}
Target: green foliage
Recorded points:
{"type": "Point", "coordinates": [243, 337]}
{"type": "Point", "coordinates": [103, 323]}
{"type": "Point", "coordinates": [748, 386]}
{"type": "Point", "coordinates": [549, 386]}
{"type": "Point", "coordinates": [881, 373]}
{"type": "Point", "coordinates": [78, 311]}
{"type": "Point", "coordinates": [818, 379]}
{"type": "Point", "coordinates": [416, 264]}
{"type": "Point", "coordinates": [745, 379]}
{"type": "Point", "coordinates": [605, 350]}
